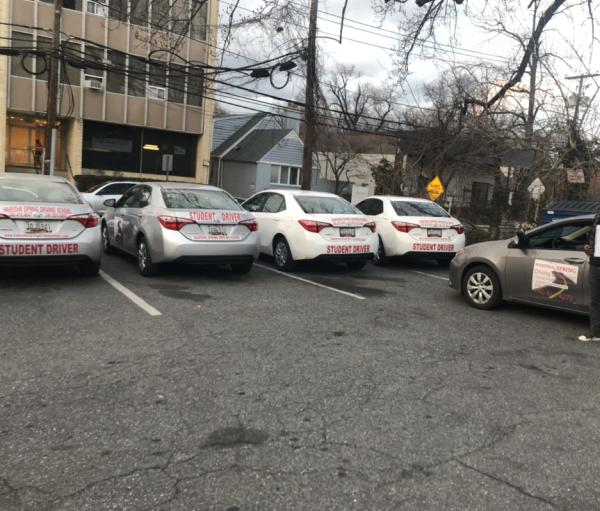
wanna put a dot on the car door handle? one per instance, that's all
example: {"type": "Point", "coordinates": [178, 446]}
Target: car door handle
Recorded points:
{"type": "Point", "coordinates": [574, 260]}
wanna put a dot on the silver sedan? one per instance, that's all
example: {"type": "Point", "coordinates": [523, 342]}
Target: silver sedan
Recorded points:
{"type": "Point", "coordinates": [545, 266]}
{"type": "Point", "coordinates": [44, 220]}
{"type": "Point", "coordinates": [177, 222]}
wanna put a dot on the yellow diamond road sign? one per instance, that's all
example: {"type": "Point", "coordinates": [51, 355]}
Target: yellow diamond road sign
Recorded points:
{"type": "Point", "coordinates": [435, 188]}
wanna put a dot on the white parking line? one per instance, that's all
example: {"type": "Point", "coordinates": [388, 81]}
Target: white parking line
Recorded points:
{"type": "Point", "coordinates": [433, 276]}
{"type": "Point", "coordinates": [312, 283]}
{"type": "Point", "coordinates": [140, 302]}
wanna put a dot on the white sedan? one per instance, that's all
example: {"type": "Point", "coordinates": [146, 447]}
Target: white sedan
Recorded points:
{"type": "Point", "coordinates": [409, 226]}
{"type": "Point", "coordinates": [96, 195]}
{"type": "Point", "coordinates": [299, 225]}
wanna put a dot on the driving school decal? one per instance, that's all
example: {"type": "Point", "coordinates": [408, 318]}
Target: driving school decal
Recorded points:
{"type": "Point", "coordinates": [349, 221]}
{"type": "Point", "coordinates": [26, 249]}
{"type": "Point", "coordinates": [556, 281]}
{"type": "Point", "coordinates": [226, 217]}
{"type": "Point", "coordinates": [36, 212]}
{"type": "Point", "coordinates": [348, 249]}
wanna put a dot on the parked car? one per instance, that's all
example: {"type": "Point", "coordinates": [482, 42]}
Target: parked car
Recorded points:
{"type": "Point", "coordinates": [44, 220]}
{"type": "Point", "coordinates": [545, 266]}
{"type": "Point", "coordinates": [413, 227]}
{"type": "Point", "coordinates": [299, 225]}
{"type": "Point", "coordinates": [96, 195]}
{"type": "Point", "coordinates": [178, 222]}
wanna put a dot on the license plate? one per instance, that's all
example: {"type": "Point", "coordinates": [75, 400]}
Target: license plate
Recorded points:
{"type": "Point", "coordinates": [434, 233]}
{"type": "Point", "coordinates": [347, 232]}
{"type": "Point", "coordinates": [216, 230]}
{"type": "Point", "coordinates": [34, 227]}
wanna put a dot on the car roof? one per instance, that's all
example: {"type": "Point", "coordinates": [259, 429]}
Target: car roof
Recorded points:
{"type": "Point", "coordinates": [183, 186]}
{"type": "Point", "coordinates": [399, 198]}
{"type": "Point", "coordinates": [32, 177]}
{"type": "Point", "coordinates": [300, 192]}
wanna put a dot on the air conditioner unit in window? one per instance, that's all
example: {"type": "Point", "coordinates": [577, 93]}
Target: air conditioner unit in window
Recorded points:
{"type": "Point", "coordinates": [93, 82]}
{"type": "Point", "coordinates": [97, 8]}
{"type": "Point", "coordinates": [154, 92]}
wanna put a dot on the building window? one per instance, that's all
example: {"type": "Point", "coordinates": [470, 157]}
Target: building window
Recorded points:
{"type": "Point", "coordinates": [42, 61]}
{"type": "Point", "coordinates": [134, 149]}
{"type": "Point", "coordinates": [176, 83]}
{"type": "Point", "coordinates": [180, 16]}
{"type": "Point", "coordinates": [195, 89]}
{"type": "Point", "coordinates": [70, 74]}
{"type": "Point", "coordinates": [198, 22]}
{"type": "Point", "coordinates": [94, 57]}
{"type": "Point", "coordinates": [117, 10]}
{"type": "Point", "coordinates": [21, 66]}
{"type": "Point", "coordinates": [115, 76]}
{"type": "Point", "coordinates": [22, 134]}
{"type": "Point", "coordinates": [160, 15]}
{"type": "Point", "coordinates": [139, 12]}
{"type": "Point", "coordinates": [137, 76]}
{"type": "Point", "coordinates": [72, 4]}
{"type": "Point", "coordinates": [283, 175]}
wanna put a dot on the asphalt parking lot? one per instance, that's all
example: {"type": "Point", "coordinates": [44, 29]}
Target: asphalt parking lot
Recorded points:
{"type": "Point", "coordinates": [378, 389]}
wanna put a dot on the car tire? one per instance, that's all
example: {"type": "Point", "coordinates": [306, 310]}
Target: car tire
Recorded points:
{"type": "Point", "coordinates": [282, 255]}
{"type": "Point", "coordinates": [356, 265]}
{"type": "Point", "coordinates": [106, 245]}
{"type": "Point", "coordinates": [144, 260]}
{"type": "Point", "coordinates": [481, 287]}
{"type": "Point", "coordinates": [242, 268]}
{"type": "Point", "coordinates": [444, 262]}
{"type": "Point", "coordinates": [90, 268]}
{"type": "Point", "coordinates": [379, 258]}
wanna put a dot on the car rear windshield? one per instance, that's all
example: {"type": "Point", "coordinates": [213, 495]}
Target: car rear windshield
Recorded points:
{"type": "Point", "coordinates": [30, 190]}
{"type": "Point", "coordinates": [314, 204]}
{"type": "Point", "coordinates": [180, 198]}
{"type": "Point", "coordinates": [417, 208]}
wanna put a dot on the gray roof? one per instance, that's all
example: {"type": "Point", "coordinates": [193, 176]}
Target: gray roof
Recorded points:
{"type": "Point", "coordinates": [237, 134]}
{"type": "Point", "coordinates": [257, 144]}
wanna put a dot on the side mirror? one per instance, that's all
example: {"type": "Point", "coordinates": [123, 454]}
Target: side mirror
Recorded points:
{"type": "Point", "coordinates": [522, 239]}
{"type": "Point", "coordinates": [110, 203]}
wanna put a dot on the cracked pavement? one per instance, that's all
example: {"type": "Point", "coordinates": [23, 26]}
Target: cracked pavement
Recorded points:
{"type": "Point", "coordinates": [259, 392]}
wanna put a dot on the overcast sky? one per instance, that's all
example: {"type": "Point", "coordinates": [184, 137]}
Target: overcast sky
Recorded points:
{"type": "Point", "coordinates": [368, 44]}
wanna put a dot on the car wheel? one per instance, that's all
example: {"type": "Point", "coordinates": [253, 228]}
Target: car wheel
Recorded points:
{"type": "Point", "coordinates": [444, 262]}
{"type": "Point", "coordinates": [144, 260]}
{"type": "Point", "coordinates": [282, 255]}
{"type": "Point", "coordinates": [242, 268]}
{"type": "Point", "coordinates": [379, 258]}
{"type": "Point", "coordinates": [481, 288]}
{"type": "Point", "coordinates": [90, 268]}
{"type": "Point", "coordinates": [356, 265]}
{"type": "Point", "coordinates": [106, 245]}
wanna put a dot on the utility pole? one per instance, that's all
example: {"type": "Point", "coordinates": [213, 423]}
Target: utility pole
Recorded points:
{"type": "Point", "coordinates": [51, 105]}
{"type": "Point", "coordinates": [579, 91]}
{"type": "Point", "coordinates": [309, 109]}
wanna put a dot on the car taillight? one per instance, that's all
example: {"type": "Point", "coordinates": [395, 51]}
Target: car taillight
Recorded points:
{"type": "Point", "coordinates": [251, 224]}
{"type": "Point", "coordinates": [313, 226]}
{"type": "Point", "coordinates": [174, 223]}
{"type": "Point", "coordinates": [4, 216]}
{"type": "Point", "coordinates": [458, 228]}
{"type": "Point", "coordinates": [370, 225]}
{"type": "Point", "coordinates": [404, 226]}
{"type": "Point", "coordinates": [87, 220]}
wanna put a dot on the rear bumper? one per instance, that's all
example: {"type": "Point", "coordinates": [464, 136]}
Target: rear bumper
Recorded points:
{"type": "Point", "coordinates": [400, 244]}
{"type": "Point", "coordinates": [313, 246]}
{"type": "Point", "coordinates": [85, 247]}
{"type": "Point", "coordinates": [346, 258]}
{"type": "Point", "coordinates": [205, 252]}
{"type": "Point", "coordinates": [45, 260]}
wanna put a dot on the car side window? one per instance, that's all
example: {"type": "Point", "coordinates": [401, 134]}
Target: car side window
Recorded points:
{"type": "Point", "coordinates": [114, 189]}
{"type": "Point", "coordinates": [125, 198]}
{"type": "Point", "coordinates": [562, 237]}
{"type": "Point", "coordinates": [140, 197]}
{"type": "Point", "coordinates": [364, 206]}
{"type": "Point", "coordinates": [377, 207]}
{"type": "Point", "coordinates": [274, 203]}
{"type": "Point", "coordinates": [255, 204]}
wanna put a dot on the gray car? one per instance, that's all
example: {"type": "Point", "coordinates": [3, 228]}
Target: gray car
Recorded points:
{"type": "Point", "coordinates": [178, 222]}
{"type": "Point", "coordinates": [44, 220]}
{"type": "Point", "coordinates": [545, 266]}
